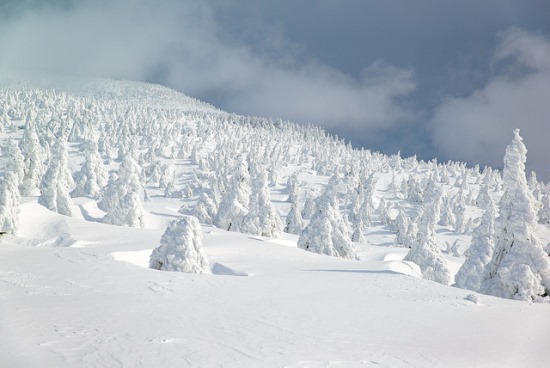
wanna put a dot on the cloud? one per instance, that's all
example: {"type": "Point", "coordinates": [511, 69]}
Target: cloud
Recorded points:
{"type": "Point", "coordinates": [181, 44]}
{"type": "Point", "coordinates": [113, 39]}
{"type": "Point", "coordinates": [477, 128]}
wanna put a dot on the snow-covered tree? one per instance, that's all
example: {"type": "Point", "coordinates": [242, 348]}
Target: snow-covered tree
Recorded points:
{"type": "Point", "coordinates": [480, 252]}
{"type": "Point", "coordinates": [519, 267]}
{"type": "Point", "coordinates": [401, 226]}
{"type": "Point", "coordinates": [459, 208]}
{"type": "Point", "coordinates": [483, 198]}
{"type": "Point", "coordinates": [181, 248]}
{"type": "Point", "coordinates": [16, 162]}
{"type": "Point", "coordinates": [292, 186]}
{"type": "Point", "coordinates": [122, 197]}
{"type": "Point", "coordinates": [205, 210]}
{"type": "Point", "coordinates": [383, 211]}
{"type": "Point", "coordinates": [9, 203]}
{"type": "Point", "coordinates": [262, 218]}
{"type": "Point", "coordinates": [308, 209]}
{"type": "Point", "coordinates": [294, 221]}
{"type": "Point", "coordinates": [34, 160]}
{"type": "Point", "coordinates": [92, 176]}
{"type": "Point", "coordinates": [447, 216]}
{"type": "Point", "coordinates": [327, 232]}
{"type": "Point", "coordinates": [234, 204]}
{"type": "Point", "coordinates": [357, 236]}
{"type": "Point", "coordinates": [424, 251]}
{"type": "Point", "coordinates": [367, 207]}
{"type": "Point", "coordinates": [57, 182]}
{"type": "Point", "coordinates": [128, 212]}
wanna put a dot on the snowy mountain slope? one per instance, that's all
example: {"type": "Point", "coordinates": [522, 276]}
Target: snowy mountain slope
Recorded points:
{"type": "Point", "coordinates": [76, 291]}
{"type": "Point", "coordinates": [144, 94]}
{"type": "Point", "coordinates": [79, 306]}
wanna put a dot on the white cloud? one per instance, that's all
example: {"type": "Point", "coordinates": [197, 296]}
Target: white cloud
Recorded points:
{"type": "Point", "coordinates": [181, 44]}
{"type": "Point", "coordinates": [478, 127]}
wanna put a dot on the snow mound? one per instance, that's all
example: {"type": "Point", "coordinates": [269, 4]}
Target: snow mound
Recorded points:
{"type": "Point", "coordinates": [139, 258]}
{"type": "Point", "coordinates": [221, 269]}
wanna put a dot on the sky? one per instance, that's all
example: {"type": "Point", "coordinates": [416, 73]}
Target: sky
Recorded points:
{"type": "Point", "coordinates": [436, 78]}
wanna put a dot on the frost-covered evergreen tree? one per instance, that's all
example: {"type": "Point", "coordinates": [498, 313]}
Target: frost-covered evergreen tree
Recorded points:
{"type": "Point", "coordinates": [357, 236]}
{"type": "Point", "coordinates": [292, 186]}
{"type": "Point", "coordinates": [459, 209]}
{"type": "Point", "coordinates": [480, 252]}
{"type": "Point", "coordinates": [413, 190]}
{"type": "Point", "coordinates": [447, 217]}
{"type": "Point", "coordinates": [9, 203]}
{"type": "Point", "coordinates": [262, 218]}
{"type": "Point", "coordinates": [109, 194]}
{"type": "Point", "coordinates": [181, 248]}
{"type": "Point", "coordinates": [327, 232]}
{"type": "Point", "coordinates": [122, 197]}
{"type": "Point", "coordinates": [424, 251]}
{"type": "Point", "coordinates": [205, 210]}
{"type": "Point", "coordinates": [367, 207]}
{"type": "Point", "coordinates": [34, 161]}
{"type": "Point", "coordinates": [401, 226]}
{"type": "Point", "coordinates": [519, 268]}
{"type": "Point", "coordinates": [294, 221]}
{"type": "Point", "coordinates": [57, 182]}
{"type": "Point", "coordinates": [383, 211]}
{"type": "Point", "coordinates": [92, 177]}
{"type": "Point", "coordinates": [309, 208]}
{"type": "Point", "coordinates": [128, 212]}
{"type": "Point", "coordinates": [483, 198]}
{"type": "Point", "coordinates": [354, 214]}
{"type": "Point", "coordinates": [16, 162]}
{"type": "Point", "coordinates": [234, 204]}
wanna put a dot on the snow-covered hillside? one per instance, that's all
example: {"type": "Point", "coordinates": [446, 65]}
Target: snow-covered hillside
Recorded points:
{"type": "Point", "coordinates": [336, 257]}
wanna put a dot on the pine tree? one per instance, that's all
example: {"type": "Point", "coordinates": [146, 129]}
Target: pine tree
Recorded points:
{"type": "Point", "coordinates": [292, 186]}
{"type": "Point", "coordinates": [424, 251]}
{"type": "Point", "coordinates": [479, 254]}
{"type": "Point", "coordinates": [16, 162]}
{"type": "Point", "coordinates": [519, 267]}
{"type": "Point", "coordinates": [122, 197]}
{"type": "Point", "coordinates": [483, 198]}
{"type": "Point", "coordinates": [234, 204]}
{"type": "Point", "coordinates": [383, 211]}
{"type": "Point", "coordinates": [205, 210]}
{"type": "Point", "coordinates": [357, 236]}
{"type": "Point", "coordinates": [9, 203]}
{"type": "Point", "coordinates": [401, 225]}
{"type": "Point", "coordinates": [57, 181]}
{"type": "Point", "coordinates": [447, 217]}
{"type": "Point", "coordinates": [294, 221]}
{"type": "Point", "coordinates": [262, 218]}
{"type": "Point", "coordinates": [92, 177]}
{"type": "Point", "coordinates": [181, 248]}
{"type": "Point", "coordinates": [34, 161]}
{"type": "Point", "coordinates": [309, 208]}
{"type": "Point", "coordinates": [327, 232]}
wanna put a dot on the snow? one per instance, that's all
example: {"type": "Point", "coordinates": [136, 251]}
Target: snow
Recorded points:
{"type": "Point", "coordinates": [77, 292]}
{"type": "Point", "coordinates": [97, 304]}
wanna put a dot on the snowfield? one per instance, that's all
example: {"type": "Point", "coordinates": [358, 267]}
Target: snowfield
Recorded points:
{"type": "Point", "coordinates": [77, 292]}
